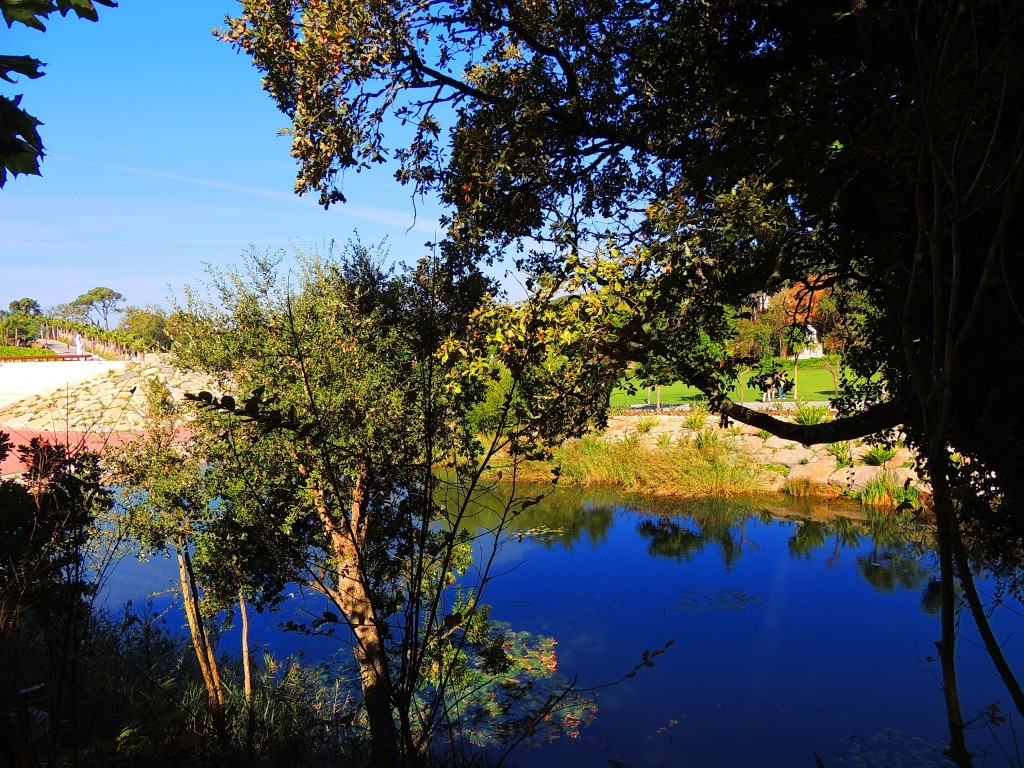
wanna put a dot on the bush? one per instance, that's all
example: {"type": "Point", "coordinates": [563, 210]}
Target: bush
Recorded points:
{"type": "Point", "coordinates": [810, 415]}
{"type": "Point", "coordinates": [842, 452]}
{"type": "Point", "coordinates": [696, 419]}
{"type": "Point", "coordinates": [878, 455]}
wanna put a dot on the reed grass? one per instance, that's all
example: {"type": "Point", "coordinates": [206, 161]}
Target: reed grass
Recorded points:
{"type": "Point", "coordinates": [679, 468]}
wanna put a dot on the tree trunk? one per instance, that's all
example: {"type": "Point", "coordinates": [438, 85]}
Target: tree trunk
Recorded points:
{"type": "Point", "coordinates": [205, 653]}
{"type": "Point", "coordinates": [354, 600]}
{"type": "Point", "coordinates": [243, 612]}
{"type": "Point", "coordinates": [946, 645]}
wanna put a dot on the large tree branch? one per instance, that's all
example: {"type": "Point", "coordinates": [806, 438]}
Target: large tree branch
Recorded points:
{"type": "Point", "coordinates": [876, 419]}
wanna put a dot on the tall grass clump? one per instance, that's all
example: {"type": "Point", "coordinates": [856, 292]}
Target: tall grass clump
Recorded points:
{"type": "Point", "coordinates": [645, 424]}
{"type": "Point", "coordinates": [705, 440]}
{"type": "Point", "coordinates": [886, 490]}
{"type": "Point", "coordinates": [696, 419]}
{"type": "Point", "coordinates": [810, 415]}
{"type": "Point", "coordinates": [843, 453]}
{"type": "Point", "coordinates": [675, 469]}
{"type": "Point", "coordinates": [878, 455]}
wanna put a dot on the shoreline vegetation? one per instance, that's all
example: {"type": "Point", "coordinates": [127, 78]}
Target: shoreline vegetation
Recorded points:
{"type": "Point", "coordinates": [661, 454]}
{"type": "Point", "coordinates": [686, 455]}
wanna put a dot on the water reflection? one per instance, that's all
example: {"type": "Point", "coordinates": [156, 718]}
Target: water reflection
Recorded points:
{"type": "Point", "coordinates": [795, 627]}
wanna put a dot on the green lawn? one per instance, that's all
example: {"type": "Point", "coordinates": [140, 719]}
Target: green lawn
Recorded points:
{"type": "Point", "coordinates": [814, 383]}
{"type": "Point", "coordinates": [23, 352]}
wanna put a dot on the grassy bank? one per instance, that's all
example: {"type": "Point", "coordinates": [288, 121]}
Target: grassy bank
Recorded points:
{"type": "Point", "coordinates": [683, 469]}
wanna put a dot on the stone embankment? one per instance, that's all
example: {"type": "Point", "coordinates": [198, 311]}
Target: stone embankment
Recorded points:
{"type": "Point", "coordinates": [114, 401]}
{"type": "Point", "coordinates": [784, 466]}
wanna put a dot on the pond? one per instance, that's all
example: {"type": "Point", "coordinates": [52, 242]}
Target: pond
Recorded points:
{"type": "Point", "coordinates": [797, 637]}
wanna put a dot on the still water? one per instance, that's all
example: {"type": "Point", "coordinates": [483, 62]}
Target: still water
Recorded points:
{"type": "Point", "coordinates": [798, 636]}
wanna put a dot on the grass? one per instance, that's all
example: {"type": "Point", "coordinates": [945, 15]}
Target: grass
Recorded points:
{"type": "Point", "coordinates": [23, 352]}
{"type": "Point", "coordinates": [810, 415]}
{"type": "Point", "coordinates": [887, 491]}
{"type": "Point", "coordinates": [696, 419]}
{"type": "Point", "coordinates": [677, 468]}
{"type": "Point", "coordinates": [842, 452]}
{"type": "Point", "coordinates": [878, 455]}
{"type": "Point", "coordinates": [645, 424]}
{"type": "Point", "coordinates": [815, 383]}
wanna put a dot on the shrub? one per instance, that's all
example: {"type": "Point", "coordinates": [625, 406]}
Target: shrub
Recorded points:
{"type": "Point", "coordinates": [764, 434]}
{"type": "Point", "coordinates": [696, 419]}
{"type": "Point", "coordinates": [809, 415]}
{"type": "Point", "coordinates": [705, 440]}
{"type": "Point", "coordinates": [645, 424]}
{"type": "Point", "coordinates": [842, 452]}
{"type": "Point", "coordinates": [877, 455]}
{"type": "Point", "coordinates": [664, 440]}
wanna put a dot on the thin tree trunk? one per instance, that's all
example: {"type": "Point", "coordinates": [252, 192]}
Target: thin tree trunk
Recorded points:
{"type": "Point", "coordinates": [243, 611]}
{"type": "Point", "coordinates": [205, 654]}
{"type": "Point", "coordinates": [946, 645]}
{"type": "Point", "coordinates": [353, 599]}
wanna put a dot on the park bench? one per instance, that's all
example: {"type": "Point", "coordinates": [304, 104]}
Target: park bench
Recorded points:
{"type": "Point", "coordinates": [43, 358]}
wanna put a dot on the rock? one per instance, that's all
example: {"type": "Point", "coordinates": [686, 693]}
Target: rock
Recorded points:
{"type": "Point", "coordinates": [791, 457]}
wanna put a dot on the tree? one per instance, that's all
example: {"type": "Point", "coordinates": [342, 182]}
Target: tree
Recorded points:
{"type": "Point", "coordinates": [25, 307]}
{"type": "Point", "coordinates": [349, 451]}
{"type": "Point", "coordinates": [726, 149]}
{"type": "Point", "coordinates": [147, 326]}
{"type": "Point", "coordinates": [21, 147]}
{"type": "Point", "coordinates": [102, 301]}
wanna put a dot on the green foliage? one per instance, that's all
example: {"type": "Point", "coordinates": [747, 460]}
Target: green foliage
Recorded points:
{"type": "Point", "coordinates": [810, 414]}
{"type": "Point", "coordinates": [886, 490]}
{"type": "Point", "coordinates": [101, 301]}
{"type": "Point", "coordinates": [877, 455]}
{"type": "Point", "coordinates": [843, 453]}
{"type": "Point", "coordinates": [705, 440]}
{"type": "Point", "coordinates": [19, 329]}
{"type": "Point", "coordinates": [147, 327]}
{"type": "Point", "coordinates": [362, 393]}
{"type": "Point", "coordinates": [696, 419]}
{"type": "Point", "coordinates": [25, 306]}
{"type": "Point", "coordinates": [645, 424]}
{"type": "Point", "coordinates": [23, 352]}
{"type": "Point", "coordinates": [21, 147]}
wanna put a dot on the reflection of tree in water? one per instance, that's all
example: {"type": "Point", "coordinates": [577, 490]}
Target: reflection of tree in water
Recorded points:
{"type": "Point", "coordinates": [810, 535]}
{"type": "Point", "coordinates": [559, 519]}
{"type": "Point", "coordinates": [904, 566]}
{"type": "Point", "coordinates": [708, 523]}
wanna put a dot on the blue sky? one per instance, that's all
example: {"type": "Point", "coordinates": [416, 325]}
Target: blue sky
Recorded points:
{"type": "Point", "coordinates": [163, 154]}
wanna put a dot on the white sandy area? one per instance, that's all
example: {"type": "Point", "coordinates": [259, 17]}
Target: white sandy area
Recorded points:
{"type": "Point", "coordinates": [21, 380]}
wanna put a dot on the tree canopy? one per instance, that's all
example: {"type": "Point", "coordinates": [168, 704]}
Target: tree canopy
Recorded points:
{"type": "Point", "coordinates": [101, 301]}
{"type": "Point", "coordinates": [706, 152]}
{"type": "Point", "coordinates": [21, 147]}
{"type": "Point", "coordinates": [728, 148]}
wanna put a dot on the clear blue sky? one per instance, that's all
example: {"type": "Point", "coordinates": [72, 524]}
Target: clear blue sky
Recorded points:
{"type": "Point", "coordinates": [163, 154]}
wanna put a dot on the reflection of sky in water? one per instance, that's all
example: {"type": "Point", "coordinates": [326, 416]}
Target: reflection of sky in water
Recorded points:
{"type": "Point", "coordinates": [782, 650]}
